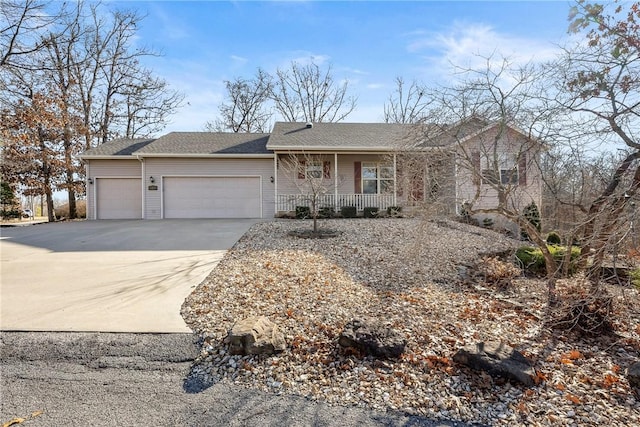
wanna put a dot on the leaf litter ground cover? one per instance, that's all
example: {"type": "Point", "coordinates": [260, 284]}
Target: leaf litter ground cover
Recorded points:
{"type": "Point", "coordinates": [406, 271]}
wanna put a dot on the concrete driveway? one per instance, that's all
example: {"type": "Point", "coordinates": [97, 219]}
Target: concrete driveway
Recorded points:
{"type": "Point", "coordinates": [108, 276]}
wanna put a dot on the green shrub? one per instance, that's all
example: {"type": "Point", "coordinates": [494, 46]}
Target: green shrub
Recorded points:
{"type": "Point", "coordinates": [634, 275]}
{"type": "Point", "coordinates": [303, 212]}
{"type": "Point", "coordinates": [394, 210]}
{"type": "Point", "coordinates": [10, 214]}
{"type": "Point", "coordinates": [370, 212]}
{"type": "Point", "coordinates": [349, 211]}
{"type": "Point", "coordinates": [554, 239]}
{"type": "Point", "coordinates": [326, 212]}
{"type": "Point", "coordinates": [531, 214]}
{"type": "Point", "coordinates": [533, 261]}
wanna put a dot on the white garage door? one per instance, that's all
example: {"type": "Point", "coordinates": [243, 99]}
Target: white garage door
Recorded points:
{"type": "Point", "coordinates": [119, 198]}
{"type": "Point", "coordinates": [212, 197]}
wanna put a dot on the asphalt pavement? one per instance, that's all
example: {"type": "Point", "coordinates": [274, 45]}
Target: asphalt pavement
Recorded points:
{"type": "Point", "coordinates": [117, 379]}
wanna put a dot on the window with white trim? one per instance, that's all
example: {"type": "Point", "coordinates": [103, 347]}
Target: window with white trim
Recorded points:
{"type": "Point", "coordinates": [313, 169]}
{"type": "Point", "coordinates": [377, 178]}
{"type": "Point", "coordinates": [507, 169]}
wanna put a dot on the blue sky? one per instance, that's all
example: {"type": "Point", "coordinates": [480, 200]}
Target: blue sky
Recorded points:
{"type": "Point", "coordinates": [368, 43]}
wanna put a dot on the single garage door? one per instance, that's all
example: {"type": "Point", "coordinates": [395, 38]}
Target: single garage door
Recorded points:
{"type": "Point", "coordinates": [212, 197]}
{"type": "Point", "coordinates": [119, 198]}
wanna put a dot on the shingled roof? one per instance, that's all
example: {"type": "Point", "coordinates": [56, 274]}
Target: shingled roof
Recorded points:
{"type": "Point", "coordinates": [208, 143]}
{"type": "Point", "coordinates": [185, 143]}
{"type": "Point", "coordinates": [360, 137]}
{"type": "Point", "coordinates": [337, 136]}
{"type": "Point", "coordinates": [118, 147]}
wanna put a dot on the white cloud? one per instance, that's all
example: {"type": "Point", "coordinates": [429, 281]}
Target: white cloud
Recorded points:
{"type": "Point", "coordinates": [354, 71]}
{"type": "Point", "coordinates": [468, 45]}
{"type": "Point", "coordinates": [239, 60]}
{"type": "Point", "coordinates": [375, 86]}
{"type": "Point", "coordinates": [301, 57]}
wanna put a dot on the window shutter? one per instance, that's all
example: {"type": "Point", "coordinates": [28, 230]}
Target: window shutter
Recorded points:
{"type": "Point", "coordinates": [326, 169]}
{"type": "Point", "coordinates": [399, 181]}
{"type": "Point", "coordinates": [417, 188]}
{"type": "Point", "coordinates": [475, 164]}
{"type": "Point", "coordinates": [301, 169]}
{"type": "Point", "coordinates": [357, 177]}
{"type": "Point", "coordinates": [522, 169]}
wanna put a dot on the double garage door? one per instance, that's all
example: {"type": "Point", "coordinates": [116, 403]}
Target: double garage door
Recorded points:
{"type": "Point", "coordinates": [212, 197]}
{"type": "Point", "coordinates": [182, 197]}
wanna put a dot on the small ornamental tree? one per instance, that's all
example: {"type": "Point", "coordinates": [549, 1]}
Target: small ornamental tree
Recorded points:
{"type": "Point", "coordinates": [532, 214]}
{"type": "Point", "coordinates": [8, 200]}
{"type": "Point", "coordinates": [312, 177]}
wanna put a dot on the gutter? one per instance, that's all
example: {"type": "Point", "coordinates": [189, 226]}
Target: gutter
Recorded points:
{"type": "Point", "coordinates": [208, 156]}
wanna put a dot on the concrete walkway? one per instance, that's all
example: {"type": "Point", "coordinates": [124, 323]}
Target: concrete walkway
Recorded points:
{"type": "Point", "coordinates": [107, 276]}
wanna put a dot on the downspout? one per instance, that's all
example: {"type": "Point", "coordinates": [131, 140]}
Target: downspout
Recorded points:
{"type": "Point", "coordinates": [335, 181]}
{"type": "Point", "coordinates": [275, 183]}
{"type": "Point", "coordinates": [90, 197]}
{"type": "Point", "coordinates": [455, 183]}
{"type": "Point", "coordinates": [395, 181]}
{"type": "Point", "coordinates": [144, 180]}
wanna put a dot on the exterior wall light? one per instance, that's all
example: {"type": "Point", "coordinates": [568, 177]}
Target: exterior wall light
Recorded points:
{"type": "Point", "coordinates": [272, 180]}
{"type": "Point", "coordinates": [90, 181]}
{"type": "Point", "coordinates": [152, 179]}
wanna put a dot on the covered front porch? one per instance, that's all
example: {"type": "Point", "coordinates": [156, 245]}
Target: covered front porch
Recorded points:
{"type": "Point", "coordinates": [337, 180]}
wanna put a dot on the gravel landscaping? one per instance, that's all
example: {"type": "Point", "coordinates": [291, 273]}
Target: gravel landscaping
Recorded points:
{"type": "Point", "coordinates": [407, 272]}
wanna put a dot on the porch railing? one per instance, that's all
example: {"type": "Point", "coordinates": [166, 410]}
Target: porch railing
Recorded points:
{"type": "Point", "coordinates": [288, 202]}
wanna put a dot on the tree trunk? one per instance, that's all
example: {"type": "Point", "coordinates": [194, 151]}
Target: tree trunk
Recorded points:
{"type": "Point", "coordinates": [595, 210]}
{"type": "Point", "coordinates": [73, 211]}
{"type": "Point", "coordinates": [70, 184]}
{"type": "Point", "coordinates": [49, 194]}
{"type": "Point", "coordinates": [314, 213]}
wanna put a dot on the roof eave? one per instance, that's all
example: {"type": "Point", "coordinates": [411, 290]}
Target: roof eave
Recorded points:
{"type": "Point", "coordinates": [208, 155]}
{"type": "Point", "coordinates": [108, 156]}
{"type": "Point", "coordinates": [327, 148]}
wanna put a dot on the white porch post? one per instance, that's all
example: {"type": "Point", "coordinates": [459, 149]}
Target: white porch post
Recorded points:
{"type": "Point", "coordinates": [335, 181]}
{"type": "Point", "coordinates": [395, 181]}
{"type": "Point", "coordinates": [275, 181]}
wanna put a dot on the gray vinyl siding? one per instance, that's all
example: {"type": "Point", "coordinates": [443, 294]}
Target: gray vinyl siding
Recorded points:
{"type": "Point", "coordinates": [165, 167]}
{"type": "Point", "coordinates": [346, 184]}
{"type": "Point", "coordinates": [520, 195]}
{"type": "Point", "coordinates": [95, 169]}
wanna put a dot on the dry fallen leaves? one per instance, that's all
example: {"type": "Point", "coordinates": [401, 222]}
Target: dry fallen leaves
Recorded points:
{"type": "Point", "coordinates": [20, 420]}
{"type": "Point", "coordinates": [312, 288]}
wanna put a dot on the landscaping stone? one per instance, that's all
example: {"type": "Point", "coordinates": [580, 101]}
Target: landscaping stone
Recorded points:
{"type": "Point", "coordinates": [255, 335]}
{"type": "Point", "coordinates": [633, 376]}
{"type": "Point", "coordinates": [497, 359]}
{"type": "Point", "coordinates": [372, 338]}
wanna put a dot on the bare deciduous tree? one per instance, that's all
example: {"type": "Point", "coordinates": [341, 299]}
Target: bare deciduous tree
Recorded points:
{"type": "Point", "coordinates": [308, 93]}
{"type": "Point", "coordinates": [598, 84]}
{"type": "Point", "coordinates": [21, 26]}
{"type": "Point", "coordinates": [245, 109]}
{"type": "Point", "coordinates": [406, 104]}
{"type": "Point", "coordinates": [488, 123]}
{"type": "Point", "coordinates": [311, 175]}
